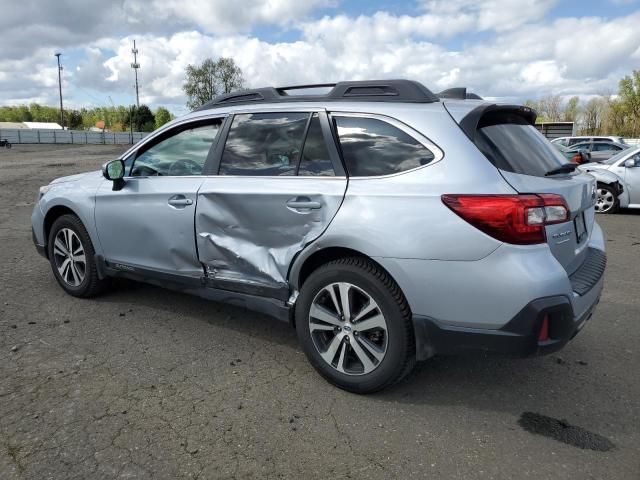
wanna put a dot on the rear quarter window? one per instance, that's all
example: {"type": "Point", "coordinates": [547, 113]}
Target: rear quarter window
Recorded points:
{"type": "Point", "coordinates": [373, 147]}
{"type": "Point", "coordinates": [512, 144]}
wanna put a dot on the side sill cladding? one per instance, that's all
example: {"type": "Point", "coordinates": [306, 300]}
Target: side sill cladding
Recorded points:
{"type": "Point", "coordinates": [197, 286]}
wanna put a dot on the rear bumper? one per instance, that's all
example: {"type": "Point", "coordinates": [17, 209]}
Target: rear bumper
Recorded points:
{"type": "Point", "coordinates": [520, 335]}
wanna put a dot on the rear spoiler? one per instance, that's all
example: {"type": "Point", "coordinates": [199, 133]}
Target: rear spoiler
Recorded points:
{"type": "Point", "coordinates": [469, 124]}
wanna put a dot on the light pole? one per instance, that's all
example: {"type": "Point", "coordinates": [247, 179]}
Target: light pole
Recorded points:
{"type": "Point", "coordinates": [60, 89]}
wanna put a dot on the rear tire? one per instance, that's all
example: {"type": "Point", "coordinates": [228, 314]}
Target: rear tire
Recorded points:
{"type": "Point", "coordinates": [72, 258]}
{"type": "Point", "coordinates": [606, 201]}
{"type": "Point", "coordinates": [372, 345]}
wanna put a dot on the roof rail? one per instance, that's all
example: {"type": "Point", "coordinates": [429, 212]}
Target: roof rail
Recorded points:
{"type": "Point", "coordinates": [407, 91]}
{"type": "Point", "coordinates": [458, 93]}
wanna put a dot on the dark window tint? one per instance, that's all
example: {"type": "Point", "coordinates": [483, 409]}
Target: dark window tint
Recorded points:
{"type": "Point", "coordinates": [510, 143]}
{"type": "Point", "coordinates": [582, 146]}
{"type": "Point", "coordinates": [181, 154]}
{"type": "Point", "coordinates": [602, 139]}
{"type": "Point", "coordinates": [264, 144]}
{"type": "Point", "coordinates": [573, 141]}
{"type": "Point", "coordinates": [315, 155]}
{"type": "Point", "coordinates": [371, 147]}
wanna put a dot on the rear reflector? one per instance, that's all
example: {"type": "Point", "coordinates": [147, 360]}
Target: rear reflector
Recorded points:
{"type": "Point", "coordinates": [516, 219]}
{"type": "Point", "coordinates": [543, 336]}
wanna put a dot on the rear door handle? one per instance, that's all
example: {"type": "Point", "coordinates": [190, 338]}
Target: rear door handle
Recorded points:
{"type": "Point", "coordinates": [303, 202]}
{"type": "Point", "coordinates": [180, 201]}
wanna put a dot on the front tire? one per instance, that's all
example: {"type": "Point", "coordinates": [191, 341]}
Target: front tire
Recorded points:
{"type": "Point", "coordinates": [72, 258]}
{"type": "Point", "coordinates": [606, 201]}
{"type": "Point", "coordinates": [354, 324]}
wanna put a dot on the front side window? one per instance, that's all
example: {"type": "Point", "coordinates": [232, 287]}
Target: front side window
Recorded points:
{"type": "Point", "coordinates": [264, 144]}
{"type": "Point", "coordinates": [373, 147]}
{"type": "Point", "coordinates": [181, 154]}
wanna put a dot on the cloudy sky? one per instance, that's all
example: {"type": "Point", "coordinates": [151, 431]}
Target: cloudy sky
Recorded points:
{"type": "Point", "coordinates": [507, 49]}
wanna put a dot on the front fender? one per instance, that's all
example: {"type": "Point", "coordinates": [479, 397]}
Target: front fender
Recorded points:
{"type": "Point", "coordinates": [79, 197]}
{"type": "Point", "coordinates": [608, 178]}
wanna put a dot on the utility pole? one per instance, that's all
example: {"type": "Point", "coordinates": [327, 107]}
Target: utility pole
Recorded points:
{"type": "Point", "coordinates": [60, 89]}
{"type": "Point", "coordinates": [135, 65]}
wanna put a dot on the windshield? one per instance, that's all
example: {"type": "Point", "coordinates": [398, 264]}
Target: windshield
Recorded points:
{"type": "Point", "coordinates": [621, 155]}
{"type": "Point", "coordinates": [512, 144]}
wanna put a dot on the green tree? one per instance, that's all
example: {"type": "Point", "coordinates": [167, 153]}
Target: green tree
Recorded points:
{"type": "Point", "coordinates": [162, 116]}
{"type": "Point", "coordinates": [211, 78]}
{"type": "Point", "coordinates": [570, 113]}
{"type": "Point", "coordinates": [629, 98]}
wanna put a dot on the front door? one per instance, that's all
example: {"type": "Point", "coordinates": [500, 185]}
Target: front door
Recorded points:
{"type": "Point", "coordinates": [279, 184]}
{"type": "Point", "coordinates": [149, 224]}
{"type": "Point", "coordinates": [632, 179]}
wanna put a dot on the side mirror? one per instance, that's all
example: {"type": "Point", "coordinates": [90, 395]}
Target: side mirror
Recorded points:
{"type": "Point", "coordinates": [114, 171]}
{"type": "Point", "coordinates": [630, 163]}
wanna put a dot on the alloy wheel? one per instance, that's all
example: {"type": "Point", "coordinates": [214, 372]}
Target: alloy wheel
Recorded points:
{"type": "Point", "coordinates": [69, 256]}
{"type": "Point", "coordinates": [604, 201]}
{"type": "Point", "coordinates": [348, 329]}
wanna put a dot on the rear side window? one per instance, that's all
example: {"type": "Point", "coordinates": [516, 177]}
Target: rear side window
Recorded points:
{"type": "Point", "coordinates": [264, 144]}
{"type": "Point", "coordinates": [315, 155]}
{"type": "Point", "coordinates": [372, 147]}
{"type": "Point", "coordinates": [603, 147]}
{"type": "Point", "coordinates": [512, 144]}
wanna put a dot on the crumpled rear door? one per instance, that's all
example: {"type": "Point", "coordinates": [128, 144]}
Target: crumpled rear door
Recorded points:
{"type": "Point", "coordinates": [249, 229]}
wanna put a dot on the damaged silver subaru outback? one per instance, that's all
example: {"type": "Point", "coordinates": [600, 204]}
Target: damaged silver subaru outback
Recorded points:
{"type": "Point", "coordinates": [385, 222]}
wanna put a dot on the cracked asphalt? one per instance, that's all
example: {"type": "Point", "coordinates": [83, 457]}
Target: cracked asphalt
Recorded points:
{"type": "Point", "coordinates": [148, 383]}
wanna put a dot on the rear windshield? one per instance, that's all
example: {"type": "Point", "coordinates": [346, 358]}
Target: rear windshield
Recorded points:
{"type": "Point", "coordinates": [510, 143]}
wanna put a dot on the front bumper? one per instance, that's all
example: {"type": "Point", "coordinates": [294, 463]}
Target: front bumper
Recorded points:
{"type": "Point", "coordinates": [520, 336]}
{"type": "Point", "coordinates": [42, 249]}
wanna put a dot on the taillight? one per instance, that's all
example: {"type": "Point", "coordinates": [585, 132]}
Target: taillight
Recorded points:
{"type": "Point", "coordinates": [517, 219]}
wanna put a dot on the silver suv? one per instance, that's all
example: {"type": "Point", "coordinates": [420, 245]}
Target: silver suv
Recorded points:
{"type": "Point", "coordinates": [385, 222]}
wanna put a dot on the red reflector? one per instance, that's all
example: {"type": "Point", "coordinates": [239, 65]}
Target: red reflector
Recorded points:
{"type": "Point", "coordinates": [517, 219]}
{"type": "Point", "coordinates": [543, 336]}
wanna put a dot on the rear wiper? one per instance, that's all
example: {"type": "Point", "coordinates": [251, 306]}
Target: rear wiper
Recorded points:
{"type": "Point", "coordinates": [566, 168]}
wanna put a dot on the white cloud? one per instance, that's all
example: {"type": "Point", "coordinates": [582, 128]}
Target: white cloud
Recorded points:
{"type": "Point", "coordinates": [499, 15]}
{"type": "Point", "coordinates": [524, 56]}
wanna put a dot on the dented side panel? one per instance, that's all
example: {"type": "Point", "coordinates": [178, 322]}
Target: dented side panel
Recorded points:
{"type": "Point", "coordinates": [249, 229]}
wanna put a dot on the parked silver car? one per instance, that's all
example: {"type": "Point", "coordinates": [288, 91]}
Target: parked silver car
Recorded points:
{"type": "Point", "coordinates": [570, 141]}
{"type": "Point", "coordinates": [599, 151]}
{"type": "Point", "coordinates": [385, 222]}
{"type": "Point", "coordinates": [618, 181]}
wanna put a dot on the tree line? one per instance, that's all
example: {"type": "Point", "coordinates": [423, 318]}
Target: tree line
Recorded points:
{"type": "Point", "coordinates": [605, 114]}
{"type": "Point", "coordinates": [116, 119]}
{"type": "Point", "coordinates": [203, 83]}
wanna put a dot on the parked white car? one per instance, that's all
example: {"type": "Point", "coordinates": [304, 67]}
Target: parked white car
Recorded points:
{"type": "Point", "coordinates": [626, 167]}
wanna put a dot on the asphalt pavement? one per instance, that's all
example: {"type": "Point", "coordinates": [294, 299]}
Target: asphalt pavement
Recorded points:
{"type": "Point", "coordinates": [143, 382]}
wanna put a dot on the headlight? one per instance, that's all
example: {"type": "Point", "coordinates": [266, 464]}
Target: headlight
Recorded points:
{"type": "Point", "coordinates": [42, 191]}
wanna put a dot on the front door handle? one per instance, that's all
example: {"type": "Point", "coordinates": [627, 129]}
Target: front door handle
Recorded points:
{"type": "Point", "coordinates": [303, 203]}
{"type": "Point", "coordinates": [180, 201]}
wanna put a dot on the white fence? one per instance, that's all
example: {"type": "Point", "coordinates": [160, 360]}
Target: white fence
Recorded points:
{"type": "Point", "coordinates": [21, 135]}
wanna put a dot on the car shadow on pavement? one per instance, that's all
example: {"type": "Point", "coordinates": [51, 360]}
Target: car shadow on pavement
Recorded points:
{"type": "Point", "coordinates": [126, 292]}
{"type": "Point", "coordinates": [493, 382]}
{"type": "Point", "coordinates": [483, 381]}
